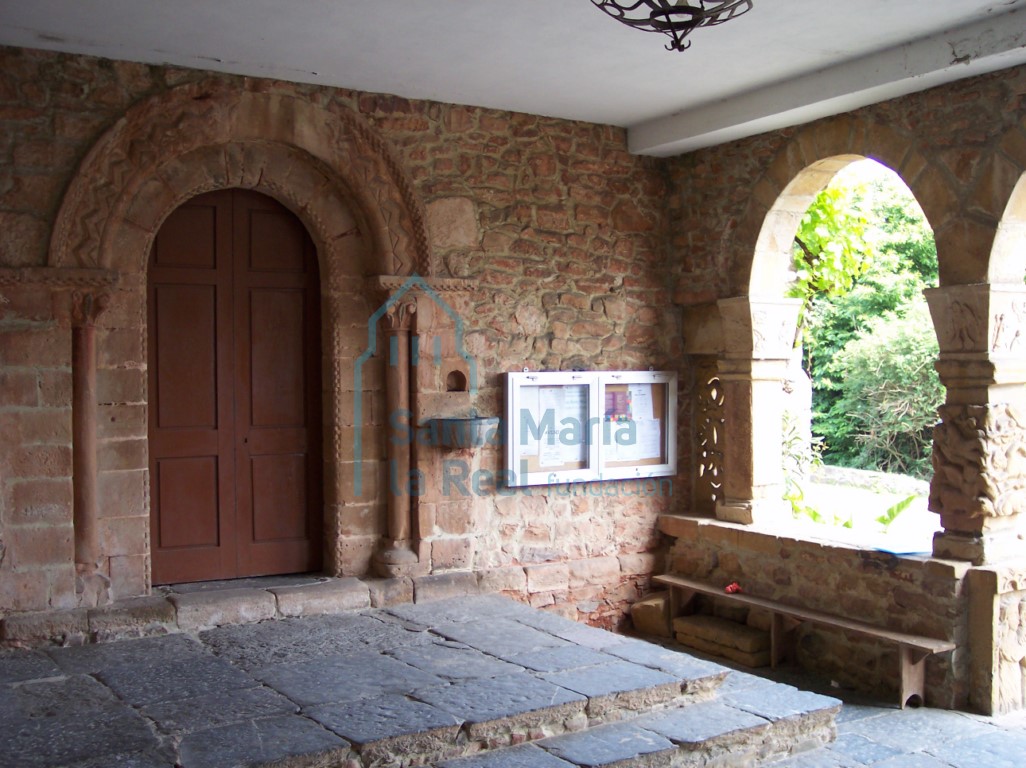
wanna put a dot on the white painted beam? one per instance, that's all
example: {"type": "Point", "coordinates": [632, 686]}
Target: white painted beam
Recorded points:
{"type": "Point", "coordinates": [985, 46]}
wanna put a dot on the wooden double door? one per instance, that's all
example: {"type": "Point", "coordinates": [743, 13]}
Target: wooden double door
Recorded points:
{"type": "Point", "coordinates": [234, 383]}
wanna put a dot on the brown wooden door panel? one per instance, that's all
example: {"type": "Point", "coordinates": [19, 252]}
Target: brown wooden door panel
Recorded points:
{"type": "Point", "coordinates": [235, 439]}
{"type": "Point", "coordinates": [183, 443]}
{"type": "Point", "coordinates": [279, 497]}
{"type": "Point", "coordinates": [277, 389]}
{"type": "Point", "coordinates": [277, 413]}
{"type": "Point", "coordinates": [193, 520]}
{"type": "Point", "coordinates": [185, 318]}
{"type": "Point", "coordinates": [189, 238]}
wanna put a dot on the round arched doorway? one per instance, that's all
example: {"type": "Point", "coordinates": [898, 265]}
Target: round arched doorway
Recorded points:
{"type": "Point", "coordinates": [234, 422]}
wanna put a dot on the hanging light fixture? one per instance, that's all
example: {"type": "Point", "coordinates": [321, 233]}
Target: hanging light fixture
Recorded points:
{"type": "Point", "coordinates": [676, 18]}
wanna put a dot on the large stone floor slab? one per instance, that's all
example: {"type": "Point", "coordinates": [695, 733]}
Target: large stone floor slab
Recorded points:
{"type": "Point", "coordinates": [451, 684]}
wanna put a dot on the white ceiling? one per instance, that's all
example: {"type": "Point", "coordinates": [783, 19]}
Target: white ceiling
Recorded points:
{"type": "Point", "coordinates": [784, 62]}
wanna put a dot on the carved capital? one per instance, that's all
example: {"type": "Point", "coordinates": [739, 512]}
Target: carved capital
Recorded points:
{"type": "Point", "coordinates": [399, 317]}
{"type": "Point", "coordinates": [984, 320]}
{"type": "Point", "coordinates": [981, 330]}
{"type": "Point", "coordinates": [86, 307]}
{"type": "Point", "coordinates": [759, 330]}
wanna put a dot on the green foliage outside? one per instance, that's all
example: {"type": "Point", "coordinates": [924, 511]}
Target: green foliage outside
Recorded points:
{"type": "Point", "coordinates": [883, 402]}
{"type": "Point", "coordinates": [830, 253]}
{"type": "Point", "coordinates": [863, 255]}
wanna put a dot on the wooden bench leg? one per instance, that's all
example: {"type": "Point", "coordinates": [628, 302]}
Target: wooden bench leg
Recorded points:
{"type": "Point", "coordinates": [680, 600]}
{"type": "Point", "coordinates": [781, 638]}
{"type": "Point", "coordinates": [913, 675]}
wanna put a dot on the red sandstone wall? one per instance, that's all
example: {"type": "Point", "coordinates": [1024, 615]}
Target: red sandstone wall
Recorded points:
{"type": "Point", "coordinates": [566, 248]}
{"type": "Point", "coordinates": [959, 147]}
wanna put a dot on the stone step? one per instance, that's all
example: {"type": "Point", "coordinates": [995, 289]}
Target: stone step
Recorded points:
{"type": "Point", "coordinates": [408, 686]}
{"type": "Point", "coordinates": [748, 723]}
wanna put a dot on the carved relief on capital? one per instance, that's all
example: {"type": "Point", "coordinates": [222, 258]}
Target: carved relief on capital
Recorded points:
{"type": "Point", "coordinates": [399, 317]}
{"type": "Point", "coordinates": [988, 320]}
{"type": "Point", "coordinates": [761, 330]}
{"type": "Point", "coordinates": [86, 307]}
{"type": "Point", "coordinates": [979, 462]}
{"type": "Point", "coordinates": [1009, 328]}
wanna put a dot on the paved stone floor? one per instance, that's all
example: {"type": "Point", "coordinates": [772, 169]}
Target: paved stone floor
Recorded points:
{"type": "Point", "coordinates": [879, 734]}
{"type": "Point", "coordinates": [335, 690]}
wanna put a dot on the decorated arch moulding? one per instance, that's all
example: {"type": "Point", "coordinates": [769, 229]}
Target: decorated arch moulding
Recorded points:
{"type": "Point", "coordinates": [1007, 263]}
{"type": "Point", "coordinates": [217, 134]}
{"type": "Point", "coordinates": [800, 169]}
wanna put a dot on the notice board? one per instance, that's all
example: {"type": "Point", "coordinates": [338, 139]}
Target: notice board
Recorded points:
{"type": "Point", "coordinates": [587, 426]}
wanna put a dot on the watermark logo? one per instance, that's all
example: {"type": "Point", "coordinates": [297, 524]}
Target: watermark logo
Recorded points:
{"type": "Point", "coordinates": [457, 477]}
{"type": "Point", "coordinates": [413, 285]}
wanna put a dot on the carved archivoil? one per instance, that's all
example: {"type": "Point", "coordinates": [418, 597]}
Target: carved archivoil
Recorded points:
{"type": "Point", "coordinates": [207, 114]}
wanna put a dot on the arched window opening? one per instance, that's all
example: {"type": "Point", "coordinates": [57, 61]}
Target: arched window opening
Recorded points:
{"type": "Point", "coordinates": [863, 390]}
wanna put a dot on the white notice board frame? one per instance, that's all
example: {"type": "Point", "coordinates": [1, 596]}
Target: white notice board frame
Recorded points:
{"type": "Point", "coordinates": [628, 431]}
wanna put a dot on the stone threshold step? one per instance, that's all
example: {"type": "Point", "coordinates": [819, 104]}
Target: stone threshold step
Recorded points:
{"type": "Point", "coordinates": [196, 607]}
{"type": "Point", "coordinates": [752, 725]}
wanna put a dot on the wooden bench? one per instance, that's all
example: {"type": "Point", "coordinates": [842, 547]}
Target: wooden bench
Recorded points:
{"type": "Point", "coordinates": [912, 649]}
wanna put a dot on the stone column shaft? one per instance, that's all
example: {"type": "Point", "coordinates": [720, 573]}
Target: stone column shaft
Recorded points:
{"type": "Point", "coordinates": [92, 585]}
{"type": "Point", "coordinates": [396, 557]}
{"type": "Point", "coordinates": [758, 340]}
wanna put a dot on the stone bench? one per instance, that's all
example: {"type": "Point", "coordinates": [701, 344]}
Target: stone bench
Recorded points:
{"type": "Point", "coordinates": [912, 649]}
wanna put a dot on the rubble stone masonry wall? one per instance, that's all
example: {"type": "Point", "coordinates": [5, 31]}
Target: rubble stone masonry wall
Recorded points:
{"type": "Point", "coordinates": [558, 230]}
{"type": "Point", "coordinates": [961, 149]}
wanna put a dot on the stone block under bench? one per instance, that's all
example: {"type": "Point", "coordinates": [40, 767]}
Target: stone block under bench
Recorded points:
{"type": "Point", "coordinates": [651, 615]}
{"type": "Point", "coordinates": [723, 637]}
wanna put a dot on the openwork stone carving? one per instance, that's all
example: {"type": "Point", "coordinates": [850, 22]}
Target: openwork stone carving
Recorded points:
{"type": "Point", "coordinates": [709, 438]}
{"type": "Point", "coordinates": [979, 461]}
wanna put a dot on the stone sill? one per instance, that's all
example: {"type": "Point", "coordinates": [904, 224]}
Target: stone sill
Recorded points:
{"type": "Point", "coordinates": [769, 538]}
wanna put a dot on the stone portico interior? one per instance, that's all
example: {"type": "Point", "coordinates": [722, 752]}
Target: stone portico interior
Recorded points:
{"type": "Point", "coordinates": [500, 241]}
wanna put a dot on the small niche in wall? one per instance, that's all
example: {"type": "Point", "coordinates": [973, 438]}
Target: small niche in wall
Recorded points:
{"type": "Point", "coordinates": [456, 381]}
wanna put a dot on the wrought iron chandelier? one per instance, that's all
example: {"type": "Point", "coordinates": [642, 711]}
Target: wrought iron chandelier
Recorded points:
{"type": "Point", "coordinates": [676, 18]}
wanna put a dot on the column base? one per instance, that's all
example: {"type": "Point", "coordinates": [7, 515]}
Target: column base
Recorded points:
{"type": "Point", "coordinates": [979, 548]}
{"type": "Point", "coordinates": [92, 587]}
{"type": "Point", "coordinates": [395, 559]}
{"type": "Point", "coordinates": [735, 512]}
{"type": "Point", "coordinates": [753, 511]}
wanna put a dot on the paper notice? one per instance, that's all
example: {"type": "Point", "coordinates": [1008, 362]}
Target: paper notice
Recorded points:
{"type": "Point", "coordinates": [549, 415]}
{"type": "Point", "coordinates": [650, 439]}
{"type": "Point", "coordinates": [528, 421]}
{"type": "Point", "coordinates": [641, 401]}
